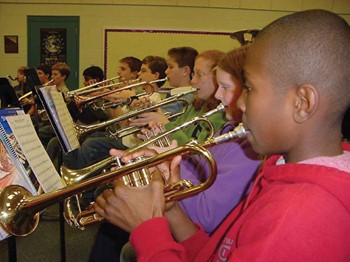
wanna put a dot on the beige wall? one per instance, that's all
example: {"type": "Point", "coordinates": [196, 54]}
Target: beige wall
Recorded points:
{"type": "Point", "coordinates": [95, 16]}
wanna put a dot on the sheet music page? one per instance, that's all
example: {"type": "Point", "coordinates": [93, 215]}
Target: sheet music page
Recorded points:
{"type": "Point", "coordinates": [42, 166]}
{"type": "Point", "coordinates": [55, 121]}
{"type": "Point", "coordinates": [65, 118]}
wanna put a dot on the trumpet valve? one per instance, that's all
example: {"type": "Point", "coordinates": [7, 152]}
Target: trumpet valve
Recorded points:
{"type": "Point", "coordinates": [88, 217]}
{"type": "Point", "coordinates": [138, 178]}
{"type": "Point", "coordinates": [170, 189]}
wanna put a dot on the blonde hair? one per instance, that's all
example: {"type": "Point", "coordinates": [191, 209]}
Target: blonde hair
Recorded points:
{"type": "Point", "coordinates": [212, 57]}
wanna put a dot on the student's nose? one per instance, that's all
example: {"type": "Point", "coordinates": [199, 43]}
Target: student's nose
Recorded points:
{"type": "Point", "coordinates": [218, 94]}
{"type": "Point", "coordinates": [194, 80]}
{"type": "Point", "coordinates": [241, 101]}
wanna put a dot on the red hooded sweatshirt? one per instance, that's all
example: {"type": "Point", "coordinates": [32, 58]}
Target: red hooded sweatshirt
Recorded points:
{"type": "Point", "coordinates": [294, 212]}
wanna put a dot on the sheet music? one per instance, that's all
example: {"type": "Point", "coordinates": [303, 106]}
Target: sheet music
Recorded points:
{"type": "Point", "coordinates": [15, 151]}
{"type": "Point", "coordinates": [55, 122]}
{"type": "Point", "coordinates": [65, 118]}
{"type": "Point", "coordinates": [23, 129]}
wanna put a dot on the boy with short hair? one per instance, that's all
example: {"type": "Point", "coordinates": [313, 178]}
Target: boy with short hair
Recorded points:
{"type": "Point", "coordinates": [297, 92]}
{"type": "Point", "coordinates": [129, 68]}
{"type": "Point", "coordinates": [92, 75]}
{"type": "Point", "coordinates": [44, 73]}
{"type": "Point", "coordinates": [60, 73]}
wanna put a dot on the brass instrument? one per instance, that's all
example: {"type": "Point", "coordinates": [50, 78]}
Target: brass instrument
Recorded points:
{"type": "Point", "coordinates": [19, 210]}
{"type": "Point", "coordinates": [81, 89]}
{"type": "Point", "coordinates": [173, 99]}
{"type": "Point", "coordinates": [71, 176]}
{"type": "Point", "coordinates": [82, 130]}
{"type": "Point", "coordinates": [28, 98]}
{"type": "Point", "coordinates": [87, 99]}
{"type": "Point", "coordinates": [123, 102]}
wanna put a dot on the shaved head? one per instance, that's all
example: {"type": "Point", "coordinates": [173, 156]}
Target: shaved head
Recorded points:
{"type": "Point", "coordinates": [309, 47]}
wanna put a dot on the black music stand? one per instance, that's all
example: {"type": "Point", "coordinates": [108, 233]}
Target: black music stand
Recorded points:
{"type": "Point", "coordinates": [32, 78]}
{"type": "Point", "coordinates": [8, 95]}
{"type": "Point", "coordinates": [12, 248]}
{"type": "Point", "coordinates": [34, 83]}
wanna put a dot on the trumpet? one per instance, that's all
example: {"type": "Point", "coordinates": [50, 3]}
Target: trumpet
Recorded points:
{"type": "Point", "coordinates": [83, 89]}
{"type": "Point", "coordinates": [175, 98]}
{"type": "Point", "coordinates": [19, 210]}
{"type": "Point", "coordinates": [28, 98]}
{"type": "Point", "coordinates": [71, 176]}
{"type": "Point", "coordinates": [87, 99]}
{"type": "Point", "coordinates": [82, 130]}
{"type": "Point", "coordinates": [122, 102]}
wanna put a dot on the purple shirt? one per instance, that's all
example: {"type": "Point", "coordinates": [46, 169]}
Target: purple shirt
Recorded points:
{"type": "Point", "coordinates": [237, 164]}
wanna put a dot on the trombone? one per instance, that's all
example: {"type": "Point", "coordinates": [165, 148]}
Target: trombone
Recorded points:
{"type": "Point", "coordinates": [19, 210]}
{"type": "Point", "coordinates": [82, 130]}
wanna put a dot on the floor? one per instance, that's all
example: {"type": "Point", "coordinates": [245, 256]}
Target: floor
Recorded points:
{"type": "Point", "coordinates": [43, 245]}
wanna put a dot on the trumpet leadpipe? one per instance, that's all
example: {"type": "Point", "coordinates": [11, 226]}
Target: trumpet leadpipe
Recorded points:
{"type": "Point", "coordinates": [75, 92]}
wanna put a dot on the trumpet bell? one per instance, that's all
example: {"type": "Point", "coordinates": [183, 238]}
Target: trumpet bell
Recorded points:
{"type": "Point", "coordinates": [12, 198]}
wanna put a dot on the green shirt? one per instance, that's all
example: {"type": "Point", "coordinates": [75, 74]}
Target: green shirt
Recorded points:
{"type": "Point", "coordinates": [198, 131]}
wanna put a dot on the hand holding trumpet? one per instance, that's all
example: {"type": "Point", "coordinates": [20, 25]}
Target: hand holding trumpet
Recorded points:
{"type": "Point", "coordinates": [145, 118]}
{"type": "Point", "coordinates": [128, 207]}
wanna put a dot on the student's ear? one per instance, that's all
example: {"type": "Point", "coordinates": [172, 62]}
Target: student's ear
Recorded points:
{"type": "Point", "coordinates": [156, 75]}
{"type": "Point", "coordinates": [306, 102]}
{"type": "Point", "coordinates": [187, 70]}
{"type": "Point", "coordinates": [135, 74]}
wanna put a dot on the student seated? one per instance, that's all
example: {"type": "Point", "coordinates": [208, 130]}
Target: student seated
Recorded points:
{"type": "Point", "coordinates": [298, 207]}
{"type": "Point", "coordinates": [211, 206]}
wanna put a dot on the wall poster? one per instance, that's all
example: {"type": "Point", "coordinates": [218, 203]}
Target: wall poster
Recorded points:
{"type": "Point", "coordinates": [53, 45]}
{"type": "Point", "coordinates": [11, 44]}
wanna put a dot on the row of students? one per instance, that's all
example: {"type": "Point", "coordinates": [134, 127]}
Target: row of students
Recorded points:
{"type": "Point", "coordinates": [224, 81]}
{"type": "Point", "coordinates": [177, 68]}
{"type": "Point", "coordinates": [203, 101]}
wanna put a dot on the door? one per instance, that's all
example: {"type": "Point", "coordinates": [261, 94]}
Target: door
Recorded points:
{"type": "Point", "coordinates": [53, 39]}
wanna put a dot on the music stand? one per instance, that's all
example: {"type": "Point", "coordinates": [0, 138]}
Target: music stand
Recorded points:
{"type": "Point", "coordinates": [8, 97]}
{"type": "Point", "coordinates": [32, 79]}
{"type": "Point", "coordinates": [34, 82]}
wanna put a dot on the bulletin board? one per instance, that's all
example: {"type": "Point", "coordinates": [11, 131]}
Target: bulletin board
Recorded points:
{"type": "Point", "coordinates": [119, 43]}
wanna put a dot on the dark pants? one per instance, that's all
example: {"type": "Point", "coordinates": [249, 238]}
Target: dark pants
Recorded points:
{"type": "Point", "coordinates": [108, 244]}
